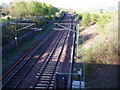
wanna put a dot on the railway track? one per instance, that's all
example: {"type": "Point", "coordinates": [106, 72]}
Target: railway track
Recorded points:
{"type": "Point", "coordinates": [45, 77]}
{"type": "Point", "coordinates": [26, 65]}
{"type": "Point", "coordinates": [47, 72]}
{"type": "Point", "coordinates": [30, 50]}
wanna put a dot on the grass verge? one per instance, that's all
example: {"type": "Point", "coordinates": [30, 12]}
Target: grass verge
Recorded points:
{"type": "Point", "coordinates": [3, 20]}
{"type": "Point", "coordinates": [100, 54]}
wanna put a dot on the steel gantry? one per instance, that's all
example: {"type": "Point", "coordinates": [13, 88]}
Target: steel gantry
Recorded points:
{"type": "Point", "coordinates": [26, 27]}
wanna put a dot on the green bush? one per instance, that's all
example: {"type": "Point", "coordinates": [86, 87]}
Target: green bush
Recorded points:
{"type": "Point", "coordinates": [8, 18]}
{"type": "Point", "coordinates": [100, 18]}
{"type": "Point", "coordinates": [102, 49]}
{"type": "Point", "coordinates": [40, 23]}
{"type": "Point", "coordinates": [79, 16]}
{"type": "Point", "coordinates": [94, 18]}
{"type": "Point", "coordinates": [86, 19]}
{"type": "Point", "coordinates": [104, 18]}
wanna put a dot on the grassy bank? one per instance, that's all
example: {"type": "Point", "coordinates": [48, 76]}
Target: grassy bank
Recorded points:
{"type": "Point", "coordinates": [98, 49]}
{"type": "Point", "coordinates": [102, 47]}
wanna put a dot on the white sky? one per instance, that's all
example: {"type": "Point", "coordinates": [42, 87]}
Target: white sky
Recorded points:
{"type": "Point", "coordinates": [75, 3]}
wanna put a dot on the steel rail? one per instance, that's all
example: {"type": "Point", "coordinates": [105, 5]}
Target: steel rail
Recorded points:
{"type": "Point", "coordinates": [29, 69]}
{"type": "Point", "coordinates": [27, 61]}
{"type": "Point", "coordinates": [59, 57]}
{"type": "Point", "coordinates": [33, 47]}
{"type": "Point", "coordinates": [45, 64]}
{"type": "Point", "coordinates": [21, 66]}
{"type": "Point", "coordinates": [49, 59]}
{"type": "Point", "coordinates": [57, 60]}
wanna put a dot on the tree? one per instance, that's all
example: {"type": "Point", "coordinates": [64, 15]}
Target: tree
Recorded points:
{"type": "Point", "coordinates": [19, 9]}
{"type": "Point", "coordinates": [45, 9]}
{"type": "Point", "coordinates": [86, 19]}
{"type": "Point", "coordinates": [33, 8]}
{"type": "Point", "coordinates": [52, 10]}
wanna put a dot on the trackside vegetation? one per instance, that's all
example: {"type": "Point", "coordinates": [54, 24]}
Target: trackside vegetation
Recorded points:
{"type": "Point", "coordinates": [96, 18]}
{"type": "Point", "coordinates": [39, 12]}
{"type": "Point", "coordinates": [102, 48]}
{"type": "Point", "coordinates": [32, 9]}
{"type": "Point", "coordinates": [43, 14]}
{"type": "Point", "coordinates": [98, 48]}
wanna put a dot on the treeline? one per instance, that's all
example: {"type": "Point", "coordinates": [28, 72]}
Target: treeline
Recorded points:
{"type": "Point", "coordinates": [39, 12]}
{"type": "Point", "coordinates": [27, 9]}
{"type": "Point", "coordinates": [100, 18]}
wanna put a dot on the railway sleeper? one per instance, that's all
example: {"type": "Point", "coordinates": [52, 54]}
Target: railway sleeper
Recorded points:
{"type": "Point", "coordinates": [51, 88]}
{"type": "Point", "coordinates": [44, 79]}
{"type": "Point", "coordinates": [46, 82]}
{"type": "Point", "coordinates": [40, 88]}
{"type": "Point", "coordinates": [44, 74]}
{"type": "Point", "coordinates": [43, 88]}
{"type": "Point", "coordinates": [48, 72]}
{"type": "Point", "coordinates": [44, 85]}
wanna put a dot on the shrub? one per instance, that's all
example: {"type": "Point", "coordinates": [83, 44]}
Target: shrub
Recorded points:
{"type": "Point", "coordinates": [79, 16]}
{"type": "Point", "coordinates": [100, 18]}
{"type": "Point", "coordinates": [94, 18]}
{"type": "Point", "coordinates": [8, 18]}
{"type": "Point", "coordinates": [102, 49]}
{"type": "Point", "coordinates": [104, 18]}
{"type": "Point", "coordinates": [86, 19]}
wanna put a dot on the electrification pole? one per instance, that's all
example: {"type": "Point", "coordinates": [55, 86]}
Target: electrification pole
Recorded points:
{"type": "Point", "coordinates": [16, 30]}
{"type": "Point", "coordinates": [77, 35]}
{"type": "Point", "coordinates": [77, 28]}
{"type": "Point", "coordinates": [16, 38]}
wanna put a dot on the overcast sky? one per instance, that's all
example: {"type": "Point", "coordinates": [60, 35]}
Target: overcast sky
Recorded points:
{"type": "Point", "coordinates": [75, 4]}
